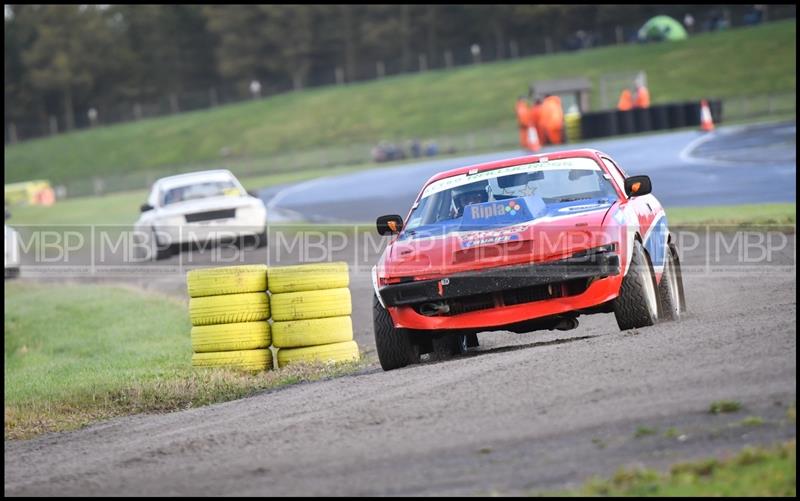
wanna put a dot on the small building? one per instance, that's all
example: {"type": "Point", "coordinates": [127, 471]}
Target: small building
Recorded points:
{"type": "Point", "coordinates": [574, 92]}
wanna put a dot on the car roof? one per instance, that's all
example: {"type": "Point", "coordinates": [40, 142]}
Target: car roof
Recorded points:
{"type": "Point", "coordinates": [166, 183]}
{"type": "Point", "coordinates": [509, 162]}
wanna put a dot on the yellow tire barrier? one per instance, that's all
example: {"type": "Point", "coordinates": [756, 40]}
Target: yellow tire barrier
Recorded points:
{"type": "Point", "coordinates": [229, 308]}
{"type": "Point", "coordinates": [227, 280]}
{"type": "Point", "coordinates": [230, 337]}
{"type": "Point", "coordinates": [310, 304]}
{"type": "Point", "coordinates": [336, 352]}
{"type": "Point", "coordinates": [248, 360]}
{"type": "Point", "coordinates": [314, 332]}
{"type": "Point", "coordinates": [308, 277]}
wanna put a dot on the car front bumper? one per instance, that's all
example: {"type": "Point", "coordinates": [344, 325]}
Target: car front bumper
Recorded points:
{"type": "Point", "coordinates": [244, 224]}
{"type": "Point", "coordinates": [506, 295]}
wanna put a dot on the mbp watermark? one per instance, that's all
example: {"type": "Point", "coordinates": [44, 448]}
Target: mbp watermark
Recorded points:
{"type": "Point", "coordinates": [114, 250]}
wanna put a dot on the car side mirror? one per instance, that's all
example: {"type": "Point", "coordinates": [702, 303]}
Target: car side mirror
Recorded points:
{"type": "Point", "coordinates": [146, 207]}
{"type": "Point", "coordinates": [638, 185]}
{"type": "Point", "coordinates": [389, 225]}
{"type": "Point", "coordinates": [252, 193]}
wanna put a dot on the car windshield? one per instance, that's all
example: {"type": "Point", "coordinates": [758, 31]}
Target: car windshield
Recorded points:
{"type": "Point", "coordinates": [528, 191]}
{"type": "Point", "coordinates": [201, 190]}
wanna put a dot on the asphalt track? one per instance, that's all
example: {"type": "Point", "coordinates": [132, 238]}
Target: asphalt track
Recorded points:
{"type": "Point", "coordinates": [522, 413]}
{"type": "Point", "coordinates": [733, 165]}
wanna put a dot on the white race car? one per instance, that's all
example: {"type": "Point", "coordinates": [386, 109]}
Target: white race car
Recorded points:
{"type": "Point", "coordinates": [196, 208]}
{"type": "Point", "coordinates": [11, 242]}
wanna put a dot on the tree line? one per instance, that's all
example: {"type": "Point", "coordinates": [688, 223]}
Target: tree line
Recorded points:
{"type": "Point", "coordinates": [63, 60]}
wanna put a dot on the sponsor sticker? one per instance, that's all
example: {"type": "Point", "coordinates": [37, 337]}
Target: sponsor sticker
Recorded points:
{"type": "Point", "coordinates": [489, 237]}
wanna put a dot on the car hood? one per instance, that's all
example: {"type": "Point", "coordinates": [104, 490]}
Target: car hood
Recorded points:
{"type": "Point", "coordinates": [556, 233]}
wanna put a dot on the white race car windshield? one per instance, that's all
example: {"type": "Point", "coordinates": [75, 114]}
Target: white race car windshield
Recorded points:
{"type": "Point", "coordinates": [201, 190]}
{"type": "Point", "coordinates": [550, 182]}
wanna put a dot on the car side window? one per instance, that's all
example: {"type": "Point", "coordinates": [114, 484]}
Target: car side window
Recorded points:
{"type": "Point", "coordinates": [615, 172]}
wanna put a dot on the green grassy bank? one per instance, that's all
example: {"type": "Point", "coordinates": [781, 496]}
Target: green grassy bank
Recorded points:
{"type": "Point", "coordinates": [737, 62]}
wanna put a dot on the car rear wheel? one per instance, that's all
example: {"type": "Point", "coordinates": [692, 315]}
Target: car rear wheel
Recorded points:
{"type": "Point", "coordinates": [449, 345]}
{"type": "Point", "coordinates": [670, 290]}
{"type": "Point", "coordinates": [395, 347]}
{"type": "Point", "coordinates": [637, 303]}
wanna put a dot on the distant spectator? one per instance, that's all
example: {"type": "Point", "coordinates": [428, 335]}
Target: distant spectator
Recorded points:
{"type": "Point", "coordinates": [688, 21]}
{"type": "Point", "coordinates": [642, 99]}
{"type": "Point", "coordinates": [552, 119]}
{"type": "Point", "coordinates": [755, 15]}
{"type": "Point", "coordinates": [415, 148]}
{"type": "Point", "coordinates": [717, 20]}
{"type": "Point", "coordinates": [431, 148]}
{"type": "Point", "coordinates": [378, 155]}
{"type": "Point", "coordinates": [399, 152]}
{"type": "Point", "coordinates": [625, 102]}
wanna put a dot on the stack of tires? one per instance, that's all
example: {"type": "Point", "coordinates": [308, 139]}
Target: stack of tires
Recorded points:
{"type": "Point", "coordinates": [311, 309]}
{"type": "Point", "coordinates": [229, 308]}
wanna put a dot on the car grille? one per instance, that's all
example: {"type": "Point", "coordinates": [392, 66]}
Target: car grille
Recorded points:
{"type": "Point", "coordinates": [210, 215]}
{"type": "Point", "coordinates": [485, 301]}
{"type": "Point", "coordinates": [505, 250]}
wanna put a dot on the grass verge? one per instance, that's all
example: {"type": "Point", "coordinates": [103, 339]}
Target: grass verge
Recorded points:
{"type": "Point", "coordinates": [122, 209]}
{"type": "Point", "coordinates": [735, 215]}
{"type": "Point", "coordinates": [755, 471]}
{"type": "Point", "coordinates": [723, 406]}
{"type": "Point", "coordinates": [76, 354]}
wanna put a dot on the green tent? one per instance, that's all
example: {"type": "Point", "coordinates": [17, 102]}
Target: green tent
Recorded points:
{"type": "Point", "coordinates": [662, 28]}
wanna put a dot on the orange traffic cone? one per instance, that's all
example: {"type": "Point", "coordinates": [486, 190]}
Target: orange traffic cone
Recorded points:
{"type": "Point", "coordinates": [533, 139]}
{"type": "Point", "coordinates": [706, 123]}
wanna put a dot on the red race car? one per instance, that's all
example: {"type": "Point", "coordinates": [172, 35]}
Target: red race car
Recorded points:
{"type": "Point", "coordinates": [521, 245]}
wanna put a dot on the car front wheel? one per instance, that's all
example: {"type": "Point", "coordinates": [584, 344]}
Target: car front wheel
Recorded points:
{"type": "Point", "coordinates": [395, 347]}
{"type": "Point", "coordinates": [637, 303]}
{"type": "Point", "coordinates": [160, 251]}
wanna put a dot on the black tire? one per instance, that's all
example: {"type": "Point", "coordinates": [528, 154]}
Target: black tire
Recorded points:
{"type": "Point", "coordinates": [637, 303]}
{"type": "Point", "coordinates": [448, 345]}
{"type": "Point", "coordinates": [394, 346]}
{"type": "Point", "coordinates": [162, 252]}
{"type": "Point", "coordinates": [261, 239]}
{"type": "Point", "coordinates": [670, 290]}
{"type": "Point", "coordinates": [472, 341]}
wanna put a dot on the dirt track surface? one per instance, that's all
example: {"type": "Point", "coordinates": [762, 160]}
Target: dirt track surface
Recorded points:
{"type": "Point", "coordinates": [522, 413]}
